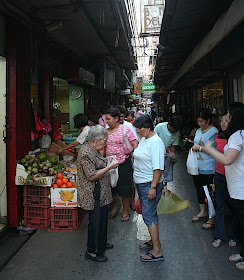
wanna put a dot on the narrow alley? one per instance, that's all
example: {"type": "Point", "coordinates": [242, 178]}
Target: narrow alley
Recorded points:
{"type": "Point", "coordinates": [186, 246]}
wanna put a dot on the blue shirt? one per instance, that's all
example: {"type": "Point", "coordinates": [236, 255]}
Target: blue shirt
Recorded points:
{"type": "Point", "coordinates": [206, 164]}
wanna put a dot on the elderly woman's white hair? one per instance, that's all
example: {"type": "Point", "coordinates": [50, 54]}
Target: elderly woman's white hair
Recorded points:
{"type": "Point", "coordinates": [97, 132]}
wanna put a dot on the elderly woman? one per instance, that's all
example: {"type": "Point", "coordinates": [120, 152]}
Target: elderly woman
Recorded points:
{"type": "Point", "coordinates": [148, 177]}
{"type": "Point", "coordinates": [91, 167]}
{"type": "Point", "coordinates": [116, 134]}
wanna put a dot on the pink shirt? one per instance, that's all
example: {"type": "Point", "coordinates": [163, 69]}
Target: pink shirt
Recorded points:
{"type": "Point", "coordinates": [220, 143]}
{"type": "Point", "coordinates": [115, 143]}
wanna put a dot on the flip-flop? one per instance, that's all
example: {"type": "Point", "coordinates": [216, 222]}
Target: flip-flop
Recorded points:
{"type": "Point", "coordinates": [235, 258]}
{"type": "Point", "coordinates": [210, 226]}
{"type": "Point", "coordinates": [240, 265]}
{"type": "Point", "coordinates": [232, 243]}
{"type": "Point", "coordinates": [217, 243]}
{"type": "Point", "coordinates": [153, 258]}
{"type": "Point", "coordinates": [148, 245]}
{"type": "Point", "coordinates": [132, 208]}
{"type": "Point", "coordinates": [197, 218]}
{"type": "Point", "coordinates": [125, 218]}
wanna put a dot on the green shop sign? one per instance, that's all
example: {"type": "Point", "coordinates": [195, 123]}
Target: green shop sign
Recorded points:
{"type": "Point", "coordinates": [148, 87]}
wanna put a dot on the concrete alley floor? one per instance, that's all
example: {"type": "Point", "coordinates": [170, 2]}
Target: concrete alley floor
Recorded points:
{"type": "Point", "coordinates": [186, 246]}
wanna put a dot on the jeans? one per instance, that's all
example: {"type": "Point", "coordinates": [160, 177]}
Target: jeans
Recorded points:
{"type": "Point", "coordinates": [220, 190]}
{"type": "Point", "coordinates": [239, 208]}
{"type": "Point", "coordinates": [102, 240]}
{"type": "Point", "coordinates": [149, 207]}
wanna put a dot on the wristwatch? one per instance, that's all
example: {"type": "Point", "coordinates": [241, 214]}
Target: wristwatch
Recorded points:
{"type": "Point", "coordinates": [153, 188]}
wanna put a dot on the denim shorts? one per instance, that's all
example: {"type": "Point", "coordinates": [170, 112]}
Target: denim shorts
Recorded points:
{"type": "Point", "coordinates": [149, 207]}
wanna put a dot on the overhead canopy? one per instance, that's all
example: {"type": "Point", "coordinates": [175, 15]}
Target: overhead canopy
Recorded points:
{"type": "Point", "coordinates": [184, 24]}
{"type": "Point", "coordinates": [93, 30]}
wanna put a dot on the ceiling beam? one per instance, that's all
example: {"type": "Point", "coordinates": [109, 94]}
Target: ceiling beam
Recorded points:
{"type": "Point", "coordinates": [222, 28]}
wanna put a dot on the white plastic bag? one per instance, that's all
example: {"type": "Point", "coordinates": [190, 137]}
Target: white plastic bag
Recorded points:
{"type": "Point", "coordinates": [114, 174]}
{"type": "Point", "coordinates": [191, 163]}
{"type": "Point", "coordinates": [211, 210]}
{"type": "Point", "coordinates": [45, 142]}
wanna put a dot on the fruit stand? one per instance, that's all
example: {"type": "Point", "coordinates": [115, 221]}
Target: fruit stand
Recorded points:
{"type": "Point", "coordinates": [49, 192]}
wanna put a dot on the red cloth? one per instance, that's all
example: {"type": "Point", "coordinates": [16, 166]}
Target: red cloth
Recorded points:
{"type": "Point", "coordinates": [56, 133]}
{"type": "Point", "coordinates": [138, 206]}
{"type": "Point", "coordinates": [220, 143]}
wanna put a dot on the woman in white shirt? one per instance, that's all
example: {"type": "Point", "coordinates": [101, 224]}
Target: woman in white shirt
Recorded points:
{"type": "Point", "coordinates": [233, 159]}
{"type": "Point", "coordinates": [148, 177]}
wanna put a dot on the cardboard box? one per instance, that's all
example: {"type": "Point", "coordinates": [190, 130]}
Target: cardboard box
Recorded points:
{"type": "Point", "coordinates": [22, 178]}
{"type": "Point", "coordinates": [64, 197]}
{"type": "Point", "coordinates": [65, 128]}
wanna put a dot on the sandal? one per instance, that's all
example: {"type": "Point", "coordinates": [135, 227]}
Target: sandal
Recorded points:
{"type": "Point", "coordinates": [235, 258]}
{"type": "Point", "coordinates": [208, 225]}
{"type": "Point", "coordinates": [198, 218]}
{"type": "Point", "coordinates": [152, 258]}
{"type": "Point", "coordinates": [240, 265]}
{"type": "Point", "coordinates": [125, 218]}
{"type": "Point", "coordinates": [146, 245]}
{"type": "Point", "coordinates": [217, 243]}
{"type": "Point", "coordinates": [232, 243]}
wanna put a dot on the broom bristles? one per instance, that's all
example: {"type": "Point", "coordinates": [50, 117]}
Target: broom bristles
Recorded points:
{"type": "Point", "coordinates": [171, 204]}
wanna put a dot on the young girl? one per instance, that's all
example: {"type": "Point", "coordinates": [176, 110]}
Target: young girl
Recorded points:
{"type": "Point", "coordinates": [130, 116]}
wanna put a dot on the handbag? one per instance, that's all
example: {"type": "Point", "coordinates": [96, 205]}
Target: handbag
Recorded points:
{"type": "Point", "coordinates": [128, 148]}
{"type": "Point", "coordinates": [114, 174]}
{"type": "Point", "coordinates": [192, 163]}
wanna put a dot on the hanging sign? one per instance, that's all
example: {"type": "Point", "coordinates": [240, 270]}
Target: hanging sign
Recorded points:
{"type": "Point", "coordinates": [148, 88]}
{"type": "Point", "coordinates": [137, 88]}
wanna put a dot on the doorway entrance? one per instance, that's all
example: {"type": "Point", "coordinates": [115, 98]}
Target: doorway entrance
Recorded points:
{"type": "Point", "coordinates": [3, 185]}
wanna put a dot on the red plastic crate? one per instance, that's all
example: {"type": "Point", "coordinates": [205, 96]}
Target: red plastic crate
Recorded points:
{"type": "Point", "coordinates": [36, 195]}
{"type": "Point", "coordinates": [65, 219]}
{"type": "Point", "coordinates": [36, 216]}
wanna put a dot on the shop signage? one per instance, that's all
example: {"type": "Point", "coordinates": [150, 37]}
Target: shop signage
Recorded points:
{"type": "Point", "coordinates": [148, 88]}
{"type": "Point", "coordinates": [125, 92]}
{"type": "Point", "coordinates": [137, 88]}
{"type": "Point", "coordinates": [86, 77]}
{"type": "Point", "coordinates": [153, 15]}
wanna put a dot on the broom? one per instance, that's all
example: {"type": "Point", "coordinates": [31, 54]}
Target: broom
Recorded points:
{"type": "Point", "coordinates": [171, 203]}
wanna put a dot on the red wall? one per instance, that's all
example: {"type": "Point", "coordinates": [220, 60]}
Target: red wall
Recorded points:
{"type": "Point", "coordinates": [18, 111]}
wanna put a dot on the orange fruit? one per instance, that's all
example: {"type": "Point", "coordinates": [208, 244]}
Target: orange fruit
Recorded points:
{"type": "Point", "coordinates": [59, 182]}
{"type": "Point", "coordinates": [69, 185]}
{"type": "Point", "coordinates": [64, 186]}
{"type": "Point", "coordinates": [66, 195]}
{"type": "Point", "coordinates": [60, 175]}
{"type": "Point", "coordinates": [55, 186]}
{"type": "Point", "coordinates": [65, 180]}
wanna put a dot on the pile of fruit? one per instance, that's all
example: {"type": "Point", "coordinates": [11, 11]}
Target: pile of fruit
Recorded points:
{"type": "Point", "coordinates": [41, 165]}
{"type": "Point", "coordinates": [62, 182]}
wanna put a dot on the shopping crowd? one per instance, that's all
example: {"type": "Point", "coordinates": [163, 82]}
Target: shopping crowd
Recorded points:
{"type": "Point", "coordinates": [143, 155]}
